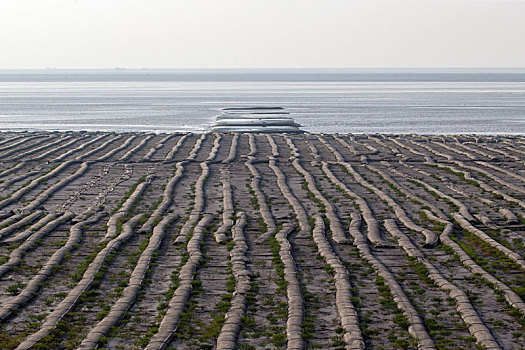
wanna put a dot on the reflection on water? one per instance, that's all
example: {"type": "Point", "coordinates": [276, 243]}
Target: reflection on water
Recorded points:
{"type": "Point", "coordinates": [319, 105]}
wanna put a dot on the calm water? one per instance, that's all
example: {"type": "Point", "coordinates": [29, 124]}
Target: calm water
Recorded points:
{"type": "Point", "coordinates": [354, 101]}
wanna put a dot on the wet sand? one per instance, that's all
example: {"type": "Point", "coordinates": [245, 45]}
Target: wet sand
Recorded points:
{"type": "Point", "coordinates": [261, 241]}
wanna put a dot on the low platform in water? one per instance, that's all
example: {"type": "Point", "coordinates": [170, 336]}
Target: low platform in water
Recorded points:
{"type": "Point", "coordinates": [259, 129]}
{"type": "Point", "coordinates": [252, 108]}
{"type": "Point", "coordinates": [256, 119]}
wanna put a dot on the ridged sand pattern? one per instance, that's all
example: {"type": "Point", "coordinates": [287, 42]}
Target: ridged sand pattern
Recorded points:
{"type": "Point", "coordinates": [261, 241]}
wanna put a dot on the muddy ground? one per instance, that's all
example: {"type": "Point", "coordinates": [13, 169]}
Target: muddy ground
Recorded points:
{"type": "Point", "coordinates": [254, 241]}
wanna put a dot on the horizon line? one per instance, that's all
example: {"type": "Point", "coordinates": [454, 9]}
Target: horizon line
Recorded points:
{"type": "Point", "coordinates": [266, 68]}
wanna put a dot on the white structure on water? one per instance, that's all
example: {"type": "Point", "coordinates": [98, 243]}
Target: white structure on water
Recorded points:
{"type": "Point", "coordinates": [256, 119]}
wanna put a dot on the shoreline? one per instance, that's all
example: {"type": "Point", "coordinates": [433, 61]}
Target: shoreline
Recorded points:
{"type": "Point", "coordinates": [9, 131]}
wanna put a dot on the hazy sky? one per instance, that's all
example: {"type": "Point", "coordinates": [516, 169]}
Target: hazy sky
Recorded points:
{"type": "Point", "coordinates": [261, 33]}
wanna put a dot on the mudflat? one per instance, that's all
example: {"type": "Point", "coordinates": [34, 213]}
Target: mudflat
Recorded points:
{"type": "Point", "coordinates": [253, 241]}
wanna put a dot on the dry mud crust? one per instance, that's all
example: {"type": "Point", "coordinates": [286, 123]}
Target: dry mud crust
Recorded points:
{"type": "Point", "coordinates": [306, 241]}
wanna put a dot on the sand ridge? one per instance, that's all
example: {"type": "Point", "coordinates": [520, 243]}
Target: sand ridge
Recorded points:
{"type": "Point", "coordinates": [295, 241]}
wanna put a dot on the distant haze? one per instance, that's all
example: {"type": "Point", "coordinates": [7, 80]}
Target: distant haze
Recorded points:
{"type": "Point", "coordinates": [269, 33]}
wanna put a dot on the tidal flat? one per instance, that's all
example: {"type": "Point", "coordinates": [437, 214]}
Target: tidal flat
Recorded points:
{"type": "Point", "coordinates": [261, 241]}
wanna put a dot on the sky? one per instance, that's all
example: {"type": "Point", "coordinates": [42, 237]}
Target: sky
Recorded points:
{"type": "Point", "coordinates": [261, 34]}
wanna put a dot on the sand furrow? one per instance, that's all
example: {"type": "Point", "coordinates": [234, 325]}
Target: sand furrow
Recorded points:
{"type": "Point", "coordinates": [17, 254]}
{"type": "Point", "coordinates": [38, 149]}
{"type": "Point", "coordinates": [416, 326]}
{"type": "Point", "coordinates": [169, 322]}
{"type": "Point", "coordinates": [228, 211]}
{"type": "Point", "coordinates": [239, 260]}
{"type": "Point", "coordinates": [177, 146]}
{"type": "Point", "coordinates": [130, 293]}
{"type": "Point", "coordinates": [22, 146]}
{"type": "Point", "coordinates": [135, 149]}
{"type": "Point", "coordinates": [233, 149]}
{"type": "Point", "coordinates": [34, 285]}
{"type": "Point", "coordinates": [347, 311]}
{"type": "Point", "coordinates": [80, 147]}
{"type": "Point", "coordinates": [475, 324]}
{"type": "Point", "coordinates": [134, 195]}
{"type": "Point", "coordinates": [115, 150]}
{"type": "Point", "coordinates": [50, 322]}
{"type": "Point", "coordinates": [151, 152]}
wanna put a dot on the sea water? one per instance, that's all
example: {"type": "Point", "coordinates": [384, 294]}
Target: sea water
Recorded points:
{"type": "Point", "coordinates": [439, 101]}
